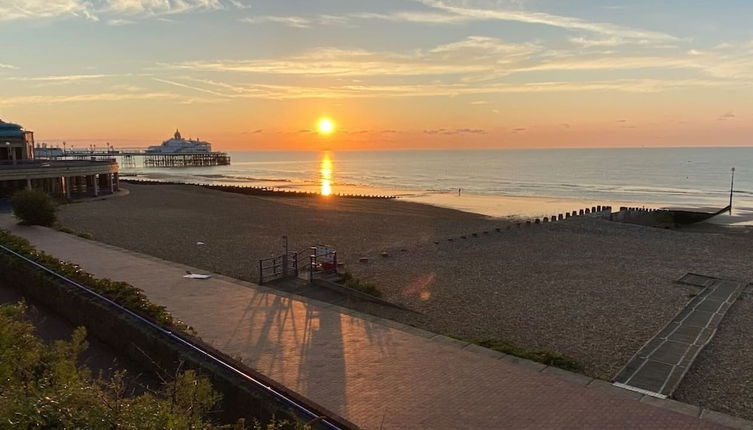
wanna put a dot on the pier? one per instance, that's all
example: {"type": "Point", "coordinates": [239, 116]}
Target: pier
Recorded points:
{"type": "Point", "coordinates": [149, 159]}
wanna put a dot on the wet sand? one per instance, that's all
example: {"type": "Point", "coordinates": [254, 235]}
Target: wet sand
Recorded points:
{"type": "Point", "coordinates": [588, 288]}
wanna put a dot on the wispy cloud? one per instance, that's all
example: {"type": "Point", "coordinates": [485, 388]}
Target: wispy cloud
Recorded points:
{"type": "Point", "coordinates": [290, 21]}
{"type": "Point", "coordinates": [94, 9]}
{"type": "Point", "coordinates": [482, 58]}
{"type": "Point", "coordinates": [337, 62]}
{"type": "Point", "coordinates": [94, 97]}
{"type": "Point", "coordinates": [298, 21]}
{"type": "Point", "coordinates": [726, 116]}
{"type": "Point", "coordinates": [7, 66]}
{"type": "Point", "coordinates": [59, 78]}
{"type": "Point", "coordinates": [459, 9]}
{"type": "Point", "coordinates": [451, 131]}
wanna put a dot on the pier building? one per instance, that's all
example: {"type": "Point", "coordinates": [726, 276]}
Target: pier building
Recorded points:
{"type": "Point", "coordinates": [65, 179]}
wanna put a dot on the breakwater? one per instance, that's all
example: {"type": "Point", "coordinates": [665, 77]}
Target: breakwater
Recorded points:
{"type": "Point", "coordinates": [260, 191]}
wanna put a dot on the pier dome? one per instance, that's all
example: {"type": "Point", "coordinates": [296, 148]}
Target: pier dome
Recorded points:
{"type": "Point", "coordinates": [9, 129]}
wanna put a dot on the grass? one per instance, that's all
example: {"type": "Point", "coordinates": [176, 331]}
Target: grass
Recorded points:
{"type": "Point", "coordinates": [550, 358]}
{"type": "Point", "coordinates": [63, 229]}
{"type": "Point", "coordinates": [365, 287]}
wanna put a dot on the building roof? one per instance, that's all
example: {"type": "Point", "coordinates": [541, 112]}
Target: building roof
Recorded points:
{"type": "Point", "coordinates": [9, 129]}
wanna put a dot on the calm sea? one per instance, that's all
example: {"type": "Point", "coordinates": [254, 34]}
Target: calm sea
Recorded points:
{"type": "Point", "coordinates": [685, 177]}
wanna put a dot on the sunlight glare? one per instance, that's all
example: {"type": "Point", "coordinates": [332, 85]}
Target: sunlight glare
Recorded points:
{"type": "Point", "coordinates": [325, 172]}
{"type": "Point", "coordinates": [325, 126]}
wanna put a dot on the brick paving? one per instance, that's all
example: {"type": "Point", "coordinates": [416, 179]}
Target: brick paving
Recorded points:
{"type": "Point", "coordinates": [369, 371]}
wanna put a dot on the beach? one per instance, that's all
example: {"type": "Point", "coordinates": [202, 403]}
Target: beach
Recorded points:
{"type": "Point", "coordinates": [587, 288]}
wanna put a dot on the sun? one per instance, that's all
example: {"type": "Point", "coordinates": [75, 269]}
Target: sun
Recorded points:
{"type": "Point", "coordinates": [325, 126]}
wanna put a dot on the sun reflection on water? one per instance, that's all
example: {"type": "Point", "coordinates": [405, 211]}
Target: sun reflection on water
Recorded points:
{"type": "Point", "coordinates": [325, 174]}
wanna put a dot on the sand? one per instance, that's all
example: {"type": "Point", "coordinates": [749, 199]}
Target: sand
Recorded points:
{"type": "Point", "coordinates": [588, 288]}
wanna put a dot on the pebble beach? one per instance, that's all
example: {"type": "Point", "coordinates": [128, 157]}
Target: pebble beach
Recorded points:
{"type": "Point", "coordinates": [588, 288]}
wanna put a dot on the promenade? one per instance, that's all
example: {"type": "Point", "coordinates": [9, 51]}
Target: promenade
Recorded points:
{"type": "Point", "coordinates": [376, 373]}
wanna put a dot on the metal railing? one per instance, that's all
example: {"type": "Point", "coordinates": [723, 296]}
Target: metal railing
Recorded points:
{"type": "Point", "coordinates": [300, 409]}
{"type": "Point", "coordinates": [322, 262]}
{"type": "Point", "coordinates": [281, 266]}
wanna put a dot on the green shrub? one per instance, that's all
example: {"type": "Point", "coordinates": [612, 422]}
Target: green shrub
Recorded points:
{"type": "Point", "coordinates": [45, 387]}
{"type": "Point", "coordinates": [365, 287]}
{"type": "Point", "coordinates": [539, 355]}
{"type": "Point", "coordinates": [33, 207]}
{"type": "Point", "coordinates": [122, 293]}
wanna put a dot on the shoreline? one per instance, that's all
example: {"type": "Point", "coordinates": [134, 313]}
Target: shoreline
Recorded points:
{"type": "Point", "coordinates": [494, 206]}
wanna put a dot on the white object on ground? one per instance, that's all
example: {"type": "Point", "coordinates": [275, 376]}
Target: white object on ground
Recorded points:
{"type": "Point", "coordinates": [199, 243]}
{"type": "Point", "coordinates": [190, 275]}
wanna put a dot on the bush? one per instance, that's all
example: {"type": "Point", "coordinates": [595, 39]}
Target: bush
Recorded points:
{"type": "Point", "coordinates": [550, 358]}
{"type": "Point", "coordinates": [44, 386]}
{"type": "Point", "coordinates": [365, 287]}
{"type": "Point", "coordinates": [120, 292]}
{"type": "Point", "coordinates": [33, 207]}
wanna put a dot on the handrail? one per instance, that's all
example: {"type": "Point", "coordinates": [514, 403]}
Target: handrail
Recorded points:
{"type": "Point", "coordinates": [276, 394]}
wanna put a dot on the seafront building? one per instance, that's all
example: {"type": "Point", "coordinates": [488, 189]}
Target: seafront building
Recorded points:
{"type": "Point", "coordinates": [60, 178]}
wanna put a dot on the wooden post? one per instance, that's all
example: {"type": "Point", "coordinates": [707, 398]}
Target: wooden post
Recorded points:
{"type": "Point", "coordinates": [261, 273]}
{"type": "Point", "coordinates": [731, 187]}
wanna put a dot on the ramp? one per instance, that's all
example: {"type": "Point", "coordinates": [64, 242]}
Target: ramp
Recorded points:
{"type": "Point", "coordinates": [660, 365]}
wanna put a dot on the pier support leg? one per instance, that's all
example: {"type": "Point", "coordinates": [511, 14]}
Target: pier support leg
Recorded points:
{"type": "Point", "coordinates": [67, 185]}
{"type": "Point", "coordinates": [28, 183]}
{"type": "Point", "coordinates": [95, 185]}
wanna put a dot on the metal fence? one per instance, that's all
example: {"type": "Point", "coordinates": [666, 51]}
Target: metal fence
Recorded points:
{"type": "Point", "coordinates": [322, 261]}
{"type": "Point", "coordinates": [281, 266]}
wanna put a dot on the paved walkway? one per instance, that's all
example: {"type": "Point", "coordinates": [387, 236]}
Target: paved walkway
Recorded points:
{"type": "Point", "coordinates": [375, 375]}
{"type": "Point", "coordinates": [664, 360]}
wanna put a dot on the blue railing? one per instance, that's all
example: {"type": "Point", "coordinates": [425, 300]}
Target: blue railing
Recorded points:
{"type": "Point", "coordinates": [300, 409]}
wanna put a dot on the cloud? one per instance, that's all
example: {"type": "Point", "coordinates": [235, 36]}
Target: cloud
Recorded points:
{"type": "Point", "coordinates": [445, 131]}
{"type": "Point", "coordinates": [94, 97]}
{"type": "Point", "coordinates": [290, 21]}
{"type": "Point", "coordinates": [568, 23]}
{"type": "Point", "coordinates": [115, 9]}
{"type": "Point", "coordinates": [519, 129]}
{"type": "Point", "coordinates": [414, 17]}
{"type": "Point", "coordinates": [726, 116]}
{"type": "Point", "coordinates": [60, 78]}
{"type": "Point", "coordinates": [338, 62]}
{"type": "Point", "coordinates": [117, 22]}
{"type": "Point", "coordinates": [7, 66]}
{"type": "Point", "coordinates": [298, 21]}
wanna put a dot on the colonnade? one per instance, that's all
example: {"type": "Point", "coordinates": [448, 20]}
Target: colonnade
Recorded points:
{"type": "Point", "coordinates": [76, 186]}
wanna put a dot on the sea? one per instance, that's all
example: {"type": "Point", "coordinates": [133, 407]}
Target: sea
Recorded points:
{"type": "Point", "coordinates": [499, 182]}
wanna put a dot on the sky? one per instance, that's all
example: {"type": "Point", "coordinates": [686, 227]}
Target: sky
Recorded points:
{"type": "Point", "coordinates": [391, 74]}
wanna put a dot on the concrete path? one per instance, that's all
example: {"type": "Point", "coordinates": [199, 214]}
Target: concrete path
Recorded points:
{"type": "Point", "coordinates": [664, 360]}
{"type": "Point", "coordinates": [376, 373]}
